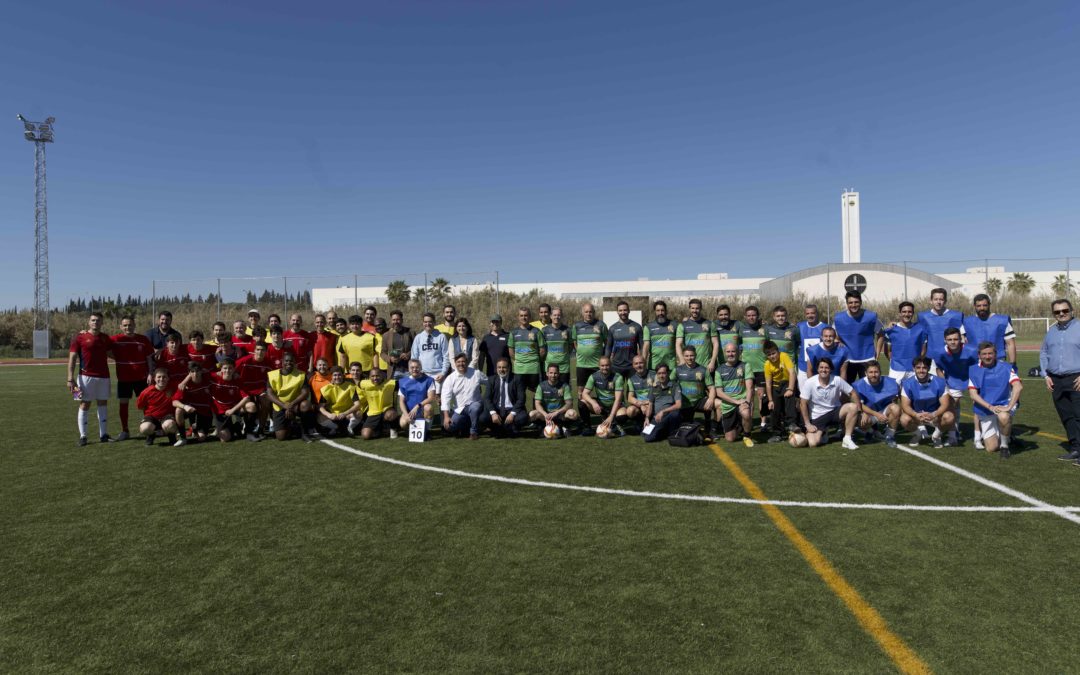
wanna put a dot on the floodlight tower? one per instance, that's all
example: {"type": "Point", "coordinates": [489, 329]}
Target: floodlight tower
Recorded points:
{"type": "Point", "coordinates": [40, 133]}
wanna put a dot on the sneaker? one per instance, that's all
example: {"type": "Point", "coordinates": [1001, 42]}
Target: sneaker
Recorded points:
{"type": "Point", "coordinates": [979, 444]}
{"type": "Point", "coordinates": [393, 433]}
{"type": "Point", "coordinates": [938, 443]}
{"type": "Point", "coordinates": [474, 437]}
{"type": "Point", "coordinates": [890, 441]}
{"type": "Point", "coordinates": [105, 438]}
{"type": "Point", "coordinates": [936, 438]}
{"type": "Point", "coordinates": [848, 444]}
{"type": "Point", "coordinates": [254, 438]}
{"type": "Point", "coordinates": [775, 439]}
{"type": "Point", "coordinates": [953, 440]}
{"type": "Point", "coordinates": [316, 436]}
{"type": "Point", "coordinates": [304, 437]}
{"type": "Point", "coordinates": [1071, 456]}
{"type": "Point", "coordinates": [747, 441]}
{"type": "Point", "coordinates": [1004, 452]}
{"type": "Point", "coordinates": [82, 441]}
{"type": "Point", "coordinates": [123, 436]}
{"type": "Point", "coordinates": [149, 441]}
{"type": "Point", "coordinates": [180, 442]}
{"type": "Point", "coordinates": [918, 438]}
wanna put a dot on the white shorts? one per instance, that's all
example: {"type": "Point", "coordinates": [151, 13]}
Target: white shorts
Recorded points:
{"type": "Point", "coordinates": [93, 388]}
{"type": "Point", "coordinates": [955, 393]}
{"type": "Point", "coordinates": [989, 425]}
{"type": "Point", "coordinates": [901, 375]}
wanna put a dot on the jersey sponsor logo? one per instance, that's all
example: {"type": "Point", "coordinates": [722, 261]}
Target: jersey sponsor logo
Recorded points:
{"type": "Point", "coordinates": [429, 347]}
{"type": "Point", "coordinates": [699, 376]}
{"type": "Point", "coordinates": [633, 330]}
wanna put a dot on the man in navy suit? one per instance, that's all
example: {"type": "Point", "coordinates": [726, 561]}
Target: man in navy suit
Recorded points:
{"type": "Point", "coordinates": [505, 401]}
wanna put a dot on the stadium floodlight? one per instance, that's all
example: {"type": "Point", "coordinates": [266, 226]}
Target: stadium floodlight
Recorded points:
{"type": "Point", "coordinates": [40, 133]}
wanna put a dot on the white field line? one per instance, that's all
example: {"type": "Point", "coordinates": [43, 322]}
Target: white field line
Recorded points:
{"type": "Point", "coordinates": [1062, 511]}
{"type": "Point", "coordinates": [701, 498]}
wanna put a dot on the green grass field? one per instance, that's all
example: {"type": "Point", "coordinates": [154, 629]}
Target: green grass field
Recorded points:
{"type": "Point", "coordinates": [293, 557]}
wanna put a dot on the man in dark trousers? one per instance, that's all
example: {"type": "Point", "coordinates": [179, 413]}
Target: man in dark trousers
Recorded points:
{"type": "Point", "coordinates": [1059, 361]}
{"type": "Point", "coordinates": [493, 347]}
{"type": "Point", "coordinates": [505, 402]}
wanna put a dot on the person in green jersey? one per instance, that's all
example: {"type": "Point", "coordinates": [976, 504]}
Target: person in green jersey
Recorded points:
{"type": "Point", "coordinates": [590, 338]}
{"type": "Point", "coordinates": [603, 396]}
{"type": "Point", "coordinates": [665, 400]}
{"type": "Point", "coordinates": [526, 346]}
{"type": "Point", "coordinates": [733, 380]}
{"type": "Point", "coordinates": [557, 342]}
{"type": "Point", "coordinates": [554, 403]}
{"type": "Point", "coordinates": [637, 391]}
{"type": "Point", "coordinates": [726, 328]}
{"type": "Point", "coordinates": [698, 332]}
{"type": "Point", "coordinates": [658, 343]}
{"type": "Point", "coordinates": [785, 335]}
{"type": "Point", "coordinates": [698, 392]}
{"type": "Point", "coordinates": [752, 340]}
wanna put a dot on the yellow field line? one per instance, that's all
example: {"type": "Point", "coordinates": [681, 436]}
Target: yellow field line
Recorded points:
{"type": "Point", "coordinates": [871, 621]}
{"type": "Point", "coordinates": [1037, 433]}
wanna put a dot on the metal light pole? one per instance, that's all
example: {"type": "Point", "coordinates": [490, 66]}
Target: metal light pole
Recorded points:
{"type": "Point", "coordinates": [40, 133]}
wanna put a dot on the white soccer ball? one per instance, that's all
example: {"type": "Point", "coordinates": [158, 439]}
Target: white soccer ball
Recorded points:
{"type": "Point", "coordinates": [603, 431]}
{"type": "Point", "coordinates": [551, 430]}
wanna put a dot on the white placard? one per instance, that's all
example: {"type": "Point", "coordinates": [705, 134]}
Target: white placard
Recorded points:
{"type": "Point", "coordinates": [418, 431]}
{"type": "Point", "coordinates": [647, 429]}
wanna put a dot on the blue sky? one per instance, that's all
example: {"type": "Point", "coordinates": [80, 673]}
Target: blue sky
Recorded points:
{"type": "Point", "coordinates": [546, 139]}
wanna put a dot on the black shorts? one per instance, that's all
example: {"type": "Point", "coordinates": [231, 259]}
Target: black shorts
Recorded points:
{"type": "Point", "coordinates": [759, 379]}
{"type": "Point", "coordinates": [227, 422]}
{"type": "Point", "coordinates": [856, 371]}
{"type": "Point", "coordinates": [583, 375]}
{"type": "Point", "coordinates": [156, 421]}
{"type": "Point", "coordinates": [374, 422]}
{"type": "Point", "coordinates": [130, 389]}
{"type": "Point", "coordinates": [280, 421]}
{"type": "Point", "coordinates": [687, 411]}
{"type": "Point", "coordinates": [625, 372]}
{"type": "Point", "coordinates": [530, 380]}
{"type": "Point", "coordinates": [200, 422]}
{"type": "Point", "coordinates": [731, 420]}
{"type": "Point", "coordinates": [831, 418]}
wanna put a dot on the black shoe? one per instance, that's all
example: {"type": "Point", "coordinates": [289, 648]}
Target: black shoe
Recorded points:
{"type": "Point", "coordinates": [82, 441]}
{"type": "Point", "coordinates": [149, 441]}
{"type": "Point", "coordinates": [1070, 456]}
{"type": "Point", "coordinates": [105, 438]}
{"type": "Point", "coordinates": [775, 439]}
{"type": "Point", "coordinates": [1004, 452]}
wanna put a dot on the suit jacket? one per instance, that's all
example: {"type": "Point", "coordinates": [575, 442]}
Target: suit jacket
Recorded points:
{"type": "Point", "coordinates": [516, 392]}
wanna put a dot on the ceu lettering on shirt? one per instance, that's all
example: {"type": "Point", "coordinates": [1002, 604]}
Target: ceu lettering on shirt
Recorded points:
{"type": "Point", "coordinates": [858, 333]}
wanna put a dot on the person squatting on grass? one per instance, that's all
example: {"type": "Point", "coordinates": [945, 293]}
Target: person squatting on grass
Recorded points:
{"type": "Point", "coordinates": [823, 405]}
{"type": "Point", "coordinates": [156, 402]}
{"type": "Point", "coordinates": [995, 392]}
{"type": "Point", "coordinates": [924, 402]}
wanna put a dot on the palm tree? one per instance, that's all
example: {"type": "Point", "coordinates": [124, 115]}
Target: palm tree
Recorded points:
{"type": "Point", "coordinates": [992, 287]}
{"type": "Point", "coordinates": [1020, 283]}
{"type": "Point", "coordinates": [1061, 286]}
{"type": "Point", "coordinates": [440, 289]}
{"type": "Point", "coordinates": [420, 295]}
{"type": "Point", "coordinates": [398, 292]}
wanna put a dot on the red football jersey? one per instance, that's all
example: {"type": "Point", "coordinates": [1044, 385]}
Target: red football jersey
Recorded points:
{"type": "Point", "coordinates": [324, 347]}
{"type": "Point", "coordinates": [156, 403]}
{"type": "Point", "coordinates": [273, 355]}
{"type": "Point", "coordinates": [93, 351]}
{"type": "Point", "coordinates": [176, 364]}
{"type": "Point", "coordinates": [252, 373]}
{"type": "Point", "coordinates": [301, 343]}
{"type": "Point", "coordinates": [197, 395]}
{"type": "Point", "coordinates": [205, 357]}
{"type": "Point", "coordinates": [244, 345]}
{"type": "Point", "coordinates": [225, 393]}
{"type": "Point", "coordinates": [130, 352]}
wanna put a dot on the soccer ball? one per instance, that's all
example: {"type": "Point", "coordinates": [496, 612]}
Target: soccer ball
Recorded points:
{"type": "Point", "coordinates": [603, 431]}
{"type": "Point", "coordinates": [551, 430]}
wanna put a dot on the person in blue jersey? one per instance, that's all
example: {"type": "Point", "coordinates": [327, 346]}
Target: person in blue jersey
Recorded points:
{"type": "Point", "coordinates": [878, 406]}
{"type": "Point", "coordinates": [1059, 361]}
{"type": "Point", "coordinates": [997, 329]}
{"type": "Point", "coordinates": [954, 364]}
{"type": "Point", "coordinates": [904, 341]}
{"type": "Point", "coordinates": [809, 335]}
{"type": "Point", "coordinates": [995, 391]}
{"type": "Point", "coordinates": [936, 320]}
{"type": "Point", "coordinates": [924, 404]}
{"type": "Point", "coordinates": [861, 331]}
{"type": "Point", "coordinates": [624, 341]}
{"type": "Point", "coordinates": [431, 349]}
{"type": "Point", "coordinates": [829, 348]}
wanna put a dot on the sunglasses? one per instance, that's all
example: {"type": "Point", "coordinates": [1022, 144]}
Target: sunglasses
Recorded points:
{"type": "Point", "coordinates": [1060, 312]}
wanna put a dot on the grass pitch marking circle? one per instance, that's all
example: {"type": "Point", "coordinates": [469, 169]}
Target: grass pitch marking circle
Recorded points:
{"type": "Point", "coordinates": [692, 498]}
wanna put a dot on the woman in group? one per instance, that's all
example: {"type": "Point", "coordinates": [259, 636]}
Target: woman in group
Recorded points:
{"type": "Point", "coordinates": [925, 402]}
{"type": "Point", "coordinates": [823, 405]}
{"type": "Point", "coordinates": [463, 342]}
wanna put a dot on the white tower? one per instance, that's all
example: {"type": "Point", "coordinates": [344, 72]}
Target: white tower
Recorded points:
{"type": "Point", "coordinates": [849, 216]}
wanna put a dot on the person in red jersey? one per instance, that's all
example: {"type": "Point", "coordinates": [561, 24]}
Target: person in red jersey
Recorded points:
{"type": "Point", "coordinates": [200, 352]}
{"type": "Point", "coordinates": [252, 370]}
{"type": "Point", "coordinates": [230, 403]}
{"type": "Point", "coordinates": [174, 359]}
{"type": "Point", "coordinates": [277, 347]}
{"type": "Point", "coordinates": [194, 405]}
{"type": "Point", "coordinates": [133, 355]}
{"type": "Point", "coordinates": [241, 339]}
{"type": "Point", "coordinates": [300, 341]}
{"type": "Point", "coordinates": [92, 349]}
{"type": "Point", "coordinates": [323, 341]}
{"type": "Point", "coordinates": [156, 402]}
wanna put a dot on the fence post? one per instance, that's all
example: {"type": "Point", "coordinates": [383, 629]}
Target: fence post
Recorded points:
{"type": "Point", "coordinates": [356, 294]}
{"type": "Point", "coordinates": [218, 299]}
{"type": "Point", "coordinates": [153, 302]}
{"type": "Point", "coordinates": [425, 291]}
{"type": "Point", "coordinates": [497, 311]}
{"type": "Point", "coordinates": [905, 280]}
{"type": "Point", "coordinates": [285, 280]}
{"type": "Point", "coordinates": [1068, 279]}
{"type": "Point", "coordinates": [828, 291]}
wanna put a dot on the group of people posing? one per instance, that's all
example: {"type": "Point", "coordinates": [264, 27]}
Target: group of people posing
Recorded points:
{"type": "Point", "coordinates": [366, 377]}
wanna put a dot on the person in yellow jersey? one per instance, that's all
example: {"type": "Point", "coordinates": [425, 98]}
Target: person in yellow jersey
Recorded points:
{"type": "Point", "coordinates": [358, 346]}
{"type": "Point", "coordinates": [287, 390]}
{"type": "Point", "coordinates": [341, 408]}
{"type": "Point", "coordinates": [449, 324]}
{"type": "Point", "coordinates": [781, 390]}
{"type": "Point", "coordinates": [380, 394]}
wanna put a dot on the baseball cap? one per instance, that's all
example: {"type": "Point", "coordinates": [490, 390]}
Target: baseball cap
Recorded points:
{"type": "Point", "coordinates": [253, 311]}
{"type": "Point", "coordinates": [496, 318]}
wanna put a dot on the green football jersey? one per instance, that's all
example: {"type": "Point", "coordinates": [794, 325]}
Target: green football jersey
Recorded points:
{"type": "Point", "coordinates": [524, 345]}
{"type": "Point", "coordinates": [661, 339]}
{"type": "Point", "coordinates": [590, 340]}
{"type": "Point", "coordinates": [732, 381]}
{"type": "Point", "coordinates": [786, 338]}
{"type": "Point", "coordinates": [640, 386]}
{"type": "Point", "coordinates": [557, 341]}
{"type": "Point", "coordinates": [699, 335]}
{"type": "Point", "coordinates": [553, 397]}
{"type": "Point", "coordinates": [753, 339]}
{"type": "Point", "coordinates": [694, 383]}
{"type": "Point", "coordinates": [603, 389]}
{"type": "Point", "coordinates": [726, 333]}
